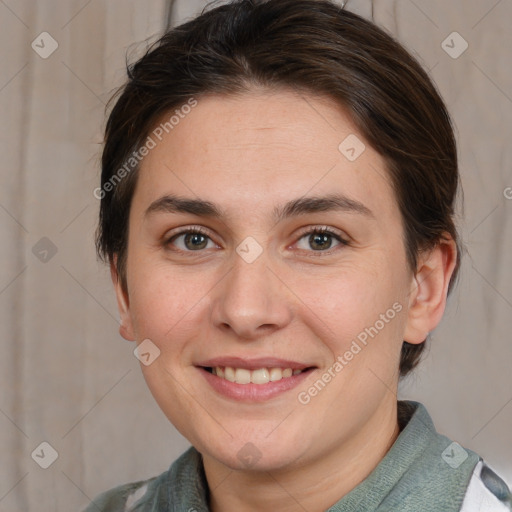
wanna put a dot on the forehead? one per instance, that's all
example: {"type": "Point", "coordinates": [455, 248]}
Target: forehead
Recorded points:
{"type": "Point", "coordinates": [261, 148]}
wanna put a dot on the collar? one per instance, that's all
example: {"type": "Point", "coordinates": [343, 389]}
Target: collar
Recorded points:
{"type": "Point", "coordinates": [422, 471]}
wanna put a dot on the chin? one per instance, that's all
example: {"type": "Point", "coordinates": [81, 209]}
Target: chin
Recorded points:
{"type": "Point", "coordinates": [244, 454]}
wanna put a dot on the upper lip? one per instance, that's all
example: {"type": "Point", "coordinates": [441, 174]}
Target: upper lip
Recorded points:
{"type": "Point", "coordinates": [253, 363]}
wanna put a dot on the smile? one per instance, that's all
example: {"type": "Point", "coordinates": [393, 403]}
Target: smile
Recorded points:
{"type": "Point", "coordinates": [259, 376]}
{"type": "Point", "coordinates": [253, 380]}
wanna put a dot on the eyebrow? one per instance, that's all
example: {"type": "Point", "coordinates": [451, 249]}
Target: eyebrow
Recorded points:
{"type": "Point", "coordinates": [300, 206]}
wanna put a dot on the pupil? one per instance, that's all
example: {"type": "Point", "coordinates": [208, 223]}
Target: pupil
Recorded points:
{"type": "Point", "coordinates": [320, 239]}
{"type": "Point", "coordinates": [195, 237]}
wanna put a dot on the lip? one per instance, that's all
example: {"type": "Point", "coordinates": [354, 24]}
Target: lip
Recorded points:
{"type": "Point", "coordinates": [252, 392]}
{"type": "Point", "coordinates": [253, 363]}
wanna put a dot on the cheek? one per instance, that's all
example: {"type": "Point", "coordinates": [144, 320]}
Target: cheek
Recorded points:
{"type": "Point", "coordinates": [358, 315]}
{"type": "Point", "coordinates": [162, 302]}
{"type": "Point", "coordinates": [349, 299]}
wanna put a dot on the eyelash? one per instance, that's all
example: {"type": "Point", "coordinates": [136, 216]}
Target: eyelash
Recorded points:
{"type": "Point", "coordinates": [327, 231]}
{"type": "Point", "coordinates": [309, 231]}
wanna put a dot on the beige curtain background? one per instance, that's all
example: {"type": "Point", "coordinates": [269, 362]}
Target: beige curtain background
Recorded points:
{"type": "Point", "coordinates": [68, 379]}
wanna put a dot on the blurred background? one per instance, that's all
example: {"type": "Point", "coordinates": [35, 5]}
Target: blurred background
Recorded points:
{"type": "Point", "coordinates": [68, 379]}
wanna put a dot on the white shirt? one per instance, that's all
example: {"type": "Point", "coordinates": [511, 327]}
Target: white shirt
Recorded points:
{"type": "Point", "coordinates": [484, 492]}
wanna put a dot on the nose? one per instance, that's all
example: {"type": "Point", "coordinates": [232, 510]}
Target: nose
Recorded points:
{"type": "Point", "coordinates": [251, 301]}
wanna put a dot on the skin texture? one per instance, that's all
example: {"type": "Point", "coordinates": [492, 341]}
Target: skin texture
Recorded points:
{"type": "Point", "coordinates": [249, 154]}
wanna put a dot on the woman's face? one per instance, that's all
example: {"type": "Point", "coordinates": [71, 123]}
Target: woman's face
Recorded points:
{"type": "Point", "coordinates": [258, 291]}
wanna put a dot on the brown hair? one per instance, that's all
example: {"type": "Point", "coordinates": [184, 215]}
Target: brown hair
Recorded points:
{"type": "Point", "coordinates": [308, 45]}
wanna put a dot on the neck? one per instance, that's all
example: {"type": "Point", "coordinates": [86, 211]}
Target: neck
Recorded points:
{"type": "Point", "coordinates": [315, 485]}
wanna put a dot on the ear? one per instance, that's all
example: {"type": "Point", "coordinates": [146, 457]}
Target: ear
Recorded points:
{"type": "Point", "coordinates": [429, 290]}
{"type": "Point", "coordinates": [123, 303]}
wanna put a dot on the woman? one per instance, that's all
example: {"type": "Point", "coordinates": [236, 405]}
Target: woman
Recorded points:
{"type": "Point", "coordinates": [277, 200]}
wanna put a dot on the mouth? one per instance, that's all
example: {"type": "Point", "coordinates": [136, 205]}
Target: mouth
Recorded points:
{"type": "Point", "coordinates": [253, 380]}
{"type": "Point", "coordinates": [259, 376]}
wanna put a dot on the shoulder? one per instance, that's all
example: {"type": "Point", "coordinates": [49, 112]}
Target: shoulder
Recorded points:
{"type": "Point", "coordinates": [486, 491]}
{"type": "Point", "coordinates": [128, 497]}
{"type": "Point", "coordinates": [183, 486]}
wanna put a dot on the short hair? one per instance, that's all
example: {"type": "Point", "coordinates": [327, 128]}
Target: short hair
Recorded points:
{"type": "Point", "coordinates": [310, 46]}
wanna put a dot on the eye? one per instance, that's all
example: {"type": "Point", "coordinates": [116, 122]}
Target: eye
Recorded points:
{"type": "Point", "coordinates": [321, 239]}
{"type": "Point", "coordinates": [195, 239]}
{"type": "Point", "coordinates": [191, 239]}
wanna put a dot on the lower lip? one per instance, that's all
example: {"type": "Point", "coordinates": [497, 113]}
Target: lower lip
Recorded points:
{"type": "Point", "coordinates": [253, 392]}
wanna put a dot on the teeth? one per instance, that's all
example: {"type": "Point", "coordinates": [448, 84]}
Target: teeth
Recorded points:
{"type": "Point", "coordinates": [229, 374]}
{"type": "Point", "coordinates": [260, 376]}
{"type": "Point", "coordinates": [242, 376]}
{"type": "Point", "coordinates": [276, 374]}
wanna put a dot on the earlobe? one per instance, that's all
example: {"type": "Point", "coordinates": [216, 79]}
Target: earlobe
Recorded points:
{"type": "Point", "coordinates": [429, 290]}
{"type": "Point", "coordinates": [123, 303]}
